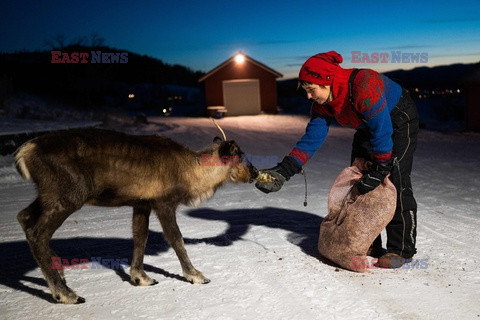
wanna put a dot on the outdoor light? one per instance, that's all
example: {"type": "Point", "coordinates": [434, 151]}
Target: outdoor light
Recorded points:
{"type": "Point", "coordinates": [131, 96]}
{"type": "Point", "coordinates": [239, 58]}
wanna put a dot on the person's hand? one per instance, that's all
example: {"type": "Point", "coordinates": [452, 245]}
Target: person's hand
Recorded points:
{"type": "Point", "coordinates": [280, 173]}
{"type": "Point", "coordinates": [374, 176]}
{"type": "Point", "coordinates": [271, 186]}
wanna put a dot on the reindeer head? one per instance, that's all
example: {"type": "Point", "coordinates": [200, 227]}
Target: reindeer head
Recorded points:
{"type": "Point", "coordinates": [241, 170]}
{"type": "Point", "coordinates": [230, 154]}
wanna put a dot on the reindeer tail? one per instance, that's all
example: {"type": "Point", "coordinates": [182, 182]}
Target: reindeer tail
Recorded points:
{"type": "Point", "coordinates": [23, 153]}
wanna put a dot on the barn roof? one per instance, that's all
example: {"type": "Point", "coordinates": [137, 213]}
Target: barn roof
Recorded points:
{"type": "Point", "coordinates": [247, 59]}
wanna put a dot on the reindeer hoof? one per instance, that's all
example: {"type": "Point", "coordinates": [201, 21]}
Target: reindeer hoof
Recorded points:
{"type": "Point", "coordinates": [145, 281]}
{"type": "Point", "coordinates": [69, 297]}
{"type": "Point", "coordinates": [80, 300]}
{"type": "Point", "coordinates": [197, 278]}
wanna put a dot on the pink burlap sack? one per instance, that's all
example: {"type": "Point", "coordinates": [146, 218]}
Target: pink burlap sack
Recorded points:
{"type": "Point", "coordinates": [354, 220]}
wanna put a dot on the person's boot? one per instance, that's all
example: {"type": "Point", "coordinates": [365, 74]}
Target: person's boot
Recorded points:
{"type": "Point", "coordinates": [376, 251]}
{"type": "Point", "coordinates": [391, 260]}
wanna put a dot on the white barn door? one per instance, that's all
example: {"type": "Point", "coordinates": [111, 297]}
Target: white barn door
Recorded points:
{"type": "Point", "coordinates": [241, 97]}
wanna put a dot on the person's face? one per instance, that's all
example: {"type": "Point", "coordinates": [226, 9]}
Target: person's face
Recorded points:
{"type": "Point", "coordinates": [317, 93]}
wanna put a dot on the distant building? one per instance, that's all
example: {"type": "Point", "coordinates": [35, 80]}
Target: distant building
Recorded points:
{"type": "Point", "coordinates": [242, 86]}
{"type": "Point", "coordinates": [472, 95]}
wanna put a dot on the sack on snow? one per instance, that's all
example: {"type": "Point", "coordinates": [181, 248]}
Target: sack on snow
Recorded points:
{"type": "Point", "coordinates": [354, 221]}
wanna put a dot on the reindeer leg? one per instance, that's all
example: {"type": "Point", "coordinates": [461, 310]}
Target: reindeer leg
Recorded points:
{"type": "Point", "coordinates": [166, 215]}
{"type": "Point", "coordinates": [140, 234]}
{"type": "Point", "coordinates": [39, 224]}
{"type": "Point", "coordinates": [27, 218]}
{"type": "Point", "coordinates": [59, 270]}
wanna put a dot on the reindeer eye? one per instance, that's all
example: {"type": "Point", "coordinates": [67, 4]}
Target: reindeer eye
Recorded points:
{"type": "Point", "coordinates": [234, 149]}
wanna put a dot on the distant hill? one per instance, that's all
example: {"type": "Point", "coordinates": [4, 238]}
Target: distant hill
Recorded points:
{"type": "Point", "coordinates": [92, 84]}
{"type": "Point", "coordinates": [87, 84]}
{"type": "Point", "coordinates": [434, 78]}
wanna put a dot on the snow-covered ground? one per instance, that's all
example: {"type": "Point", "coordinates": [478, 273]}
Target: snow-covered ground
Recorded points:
{"type": "Point", "coordinates": [260, 250]}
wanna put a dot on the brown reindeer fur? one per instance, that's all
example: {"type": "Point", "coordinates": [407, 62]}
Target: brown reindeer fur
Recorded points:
{"type": "Point", "coordinates": [107, 168]}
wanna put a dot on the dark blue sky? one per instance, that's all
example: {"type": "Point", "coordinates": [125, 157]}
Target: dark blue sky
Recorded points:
{"type": "Point", "coordinates": [281, 34]}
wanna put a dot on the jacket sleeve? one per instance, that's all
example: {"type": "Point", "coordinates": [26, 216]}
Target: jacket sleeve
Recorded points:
{"type": "Point", "coordinates": [371, 100]}
{"type": "Point", "coordinates": [314, 137]}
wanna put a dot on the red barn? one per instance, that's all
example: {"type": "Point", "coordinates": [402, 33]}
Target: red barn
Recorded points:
{"type": "Point", "coordinates": [242, 86]}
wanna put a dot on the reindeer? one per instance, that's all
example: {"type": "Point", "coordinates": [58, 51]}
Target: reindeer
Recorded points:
{"type": "Point", "coordinates": [107, 168]}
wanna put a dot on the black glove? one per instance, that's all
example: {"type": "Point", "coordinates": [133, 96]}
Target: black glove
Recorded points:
{"type": "Point", "coordinates": [374, 176]}
{"type": "Point", "coordinates": [282, 172]}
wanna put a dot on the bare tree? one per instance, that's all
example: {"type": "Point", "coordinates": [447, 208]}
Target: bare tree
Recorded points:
{"type": "Point", "coordinates": [80, 41]}
{"type": "Point", "coordinates": [96, 40]}
{"type": "Point", "coordinates": [58, 42]}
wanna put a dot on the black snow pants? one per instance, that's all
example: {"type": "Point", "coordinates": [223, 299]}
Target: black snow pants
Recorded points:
{"type": "Point", "coordinates": [402, 230]}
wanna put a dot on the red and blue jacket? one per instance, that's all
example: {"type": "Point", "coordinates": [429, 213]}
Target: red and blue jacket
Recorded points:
{"type": "Point", "coordinates": [374, 96]}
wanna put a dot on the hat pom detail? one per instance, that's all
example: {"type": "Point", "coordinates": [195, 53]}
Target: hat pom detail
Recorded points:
{"type": "Point", "coordinates": [331, 56]}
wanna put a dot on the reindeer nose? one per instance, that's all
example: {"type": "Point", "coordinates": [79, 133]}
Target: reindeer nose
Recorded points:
{"type": "Point", "coordinates": [253, 171]}
{"type": "Point", "coordinates": [251, 168]}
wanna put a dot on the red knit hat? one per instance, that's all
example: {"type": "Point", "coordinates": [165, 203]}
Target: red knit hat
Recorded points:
{"type": "Point", "coordinates": [320, 68]}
